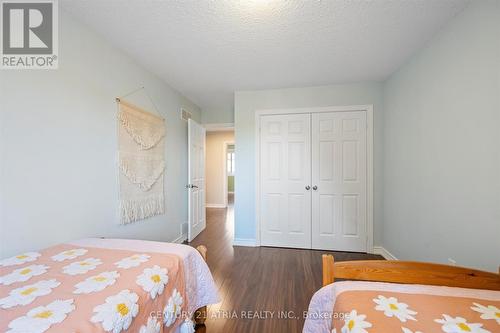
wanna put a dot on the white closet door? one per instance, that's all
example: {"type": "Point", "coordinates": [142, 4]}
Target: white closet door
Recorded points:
{"type": "Point", "coordinates": [285, 173]}
{"type": "Point", "coordinates": [339, 181]}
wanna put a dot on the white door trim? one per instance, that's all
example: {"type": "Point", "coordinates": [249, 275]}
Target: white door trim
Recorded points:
{"type": "Point", "coordinates": [369, 159]}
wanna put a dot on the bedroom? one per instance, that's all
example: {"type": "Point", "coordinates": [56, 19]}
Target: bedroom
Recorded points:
{"type": "Point", "coordinates": [421, 80]}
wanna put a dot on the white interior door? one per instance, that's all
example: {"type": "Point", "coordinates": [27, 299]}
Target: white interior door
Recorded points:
{"type": "Point", "coordinates": [196, 179]}
{"type": "Point", "coordinates": [285, 179]}
{"type": "Point", "coordinates": [339, 180]}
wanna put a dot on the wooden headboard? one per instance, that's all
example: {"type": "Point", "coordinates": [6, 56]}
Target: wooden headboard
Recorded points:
{"type": "Point", "coordinates": [409, 272]}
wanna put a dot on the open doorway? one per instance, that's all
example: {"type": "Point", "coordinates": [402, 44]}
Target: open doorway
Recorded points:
{"type": "Point", "coordinates": [220, 180]}
{"type": "Point", "coordinates": [219, 168]}
{"type": "Point", "coordinates": [229, 176]}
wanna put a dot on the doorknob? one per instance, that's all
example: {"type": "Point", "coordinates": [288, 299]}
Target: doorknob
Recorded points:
{"type": "Point", "coordinates": [191, 186]}
{"type": "Point", "coordinates": [308, 187]}
{"type": "Point", "coordinates": [315, 187]}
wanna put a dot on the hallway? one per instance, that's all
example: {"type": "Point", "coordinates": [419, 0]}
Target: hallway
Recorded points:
{"type": "Point", "coordinates": [259, 281]}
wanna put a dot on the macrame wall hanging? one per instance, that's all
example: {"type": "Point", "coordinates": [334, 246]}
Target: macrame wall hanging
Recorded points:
{"type": "Point", "coordinates": [141, 162]}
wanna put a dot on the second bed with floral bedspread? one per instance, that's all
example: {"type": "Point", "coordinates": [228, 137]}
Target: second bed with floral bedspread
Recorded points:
{"type": "Point", "coordinates": [364, 307]}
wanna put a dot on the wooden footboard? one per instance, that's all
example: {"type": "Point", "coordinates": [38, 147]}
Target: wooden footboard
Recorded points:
{"type": "Point", "coordinates": [408, 272]}
{"type": "Point", "coordinates": [200, 316]}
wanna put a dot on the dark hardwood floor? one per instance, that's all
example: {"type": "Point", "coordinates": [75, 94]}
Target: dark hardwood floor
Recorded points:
{"type": "Point", "coordinates": [260, 281]}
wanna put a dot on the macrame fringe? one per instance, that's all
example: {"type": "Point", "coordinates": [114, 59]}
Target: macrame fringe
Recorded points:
{"type": "Point", "coordinates": [135, 210]}
{"type": "Point", "coordinates": [145, 142]}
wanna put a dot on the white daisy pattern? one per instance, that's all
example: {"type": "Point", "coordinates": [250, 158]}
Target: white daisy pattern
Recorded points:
{"type": "Point", "coordinates": [407, 330]}
{"type": "Point", "coordinates": [81, 267]}
{"type": "Point", "coordinates": [96, 283]}
{"type": "Point", "coordinates": [153, 326]}
{"type": "Point", "coordinates": [459, 325]}
{"type": "Point", "coordinates": [27, 294]}
{"type": "Point", "coordinates": [20, 259]}
{"type": "Point", "coordinates": [117, 313]}
{"type": "Point", "coordinates": [69, 254]}
{"type": "Point", "coordinates": [355, 323]}
{"type": "Point", "coordinates": [392, 308]}
{"type": "Point", "coordinates": [23, 274]}
{"type": "Point", "coordinates": [173, 308]}
{"type": "Point", "coordinates": [153, 280]}
{"type": "Point", "coordinates": [487, 312]}
{"type": "Point", "coordinates": [187, 326]}
{"type": "Point", "coordinates": [40, 319]}
{"type": "Point", "coordinates": [132, 261]}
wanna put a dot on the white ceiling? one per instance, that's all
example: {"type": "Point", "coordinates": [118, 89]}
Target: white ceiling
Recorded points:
{"type": "Point", "coordinates": [207, 49]}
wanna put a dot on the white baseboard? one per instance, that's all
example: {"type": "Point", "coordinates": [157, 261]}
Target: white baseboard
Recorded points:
{"type": "Point", "coordinates": [180, 239]}
{"type": "Point", "coordinates": [245, 242]}
{"type": "Point", "coordinates": [215, 205]}
{"type": "Point", "coordinates": [384, 253]}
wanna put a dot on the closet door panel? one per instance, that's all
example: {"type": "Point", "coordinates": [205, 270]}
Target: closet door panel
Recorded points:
{"type": "Point", "coordinates": [339, 174]}
{"type": "Point", "coordinates": [285, 171]}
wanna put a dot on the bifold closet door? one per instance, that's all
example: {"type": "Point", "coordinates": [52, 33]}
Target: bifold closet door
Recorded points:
{"type": "Point", "coordinates": [285, 175]}
{"type": "Point", "coordinates": [339, 181]}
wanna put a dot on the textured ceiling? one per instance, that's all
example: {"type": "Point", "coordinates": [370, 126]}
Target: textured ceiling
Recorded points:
{"type": "Point", "coordinates": [207, 49]}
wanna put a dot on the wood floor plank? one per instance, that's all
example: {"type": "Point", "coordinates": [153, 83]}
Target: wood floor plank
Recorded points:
{"type": "Point", "coordinates": [260, 280]}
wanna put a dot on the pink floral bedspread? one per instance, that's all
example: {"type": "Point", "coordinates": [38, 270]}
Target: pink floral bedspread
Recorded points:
{"type": "Point", "coordinates": [376, 311]}
{"type": "Point", "coordinates": [68, 288]}
{"type": "Point", "coordinates": [360, 307]}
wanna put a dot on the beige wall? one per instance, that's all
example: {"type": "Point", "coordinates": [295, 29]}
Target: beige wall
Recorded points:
{"type": "Point", "coordinates": [215, 160]}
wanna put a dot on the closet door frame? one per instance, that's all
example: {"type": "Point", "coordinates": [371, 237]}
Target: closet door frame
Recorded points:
{"type": "Point", "coordinates": [369, 160]}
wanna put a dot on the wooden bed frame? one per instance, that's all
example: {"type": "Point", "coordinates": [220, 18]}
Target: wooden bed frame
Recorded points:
{"type": "Point", "coordinates": [200, 315]}
{"type": "Point", "coordinates": [408, 272]}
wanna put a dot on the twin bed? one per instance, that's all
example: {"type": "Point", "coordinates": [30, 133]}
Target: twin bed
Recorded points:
{"type": "Point", "coordinates": [106, 285]}
{"type": "Point", "coordinates": [407, 297]}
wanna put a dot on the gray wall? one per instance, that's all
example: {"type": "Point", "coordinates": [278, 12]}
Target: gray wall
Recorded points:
{"type": "Point", "coordinates": [442, 146]}
{"type": "Point", "coordinates": [58, 175]}
{"type": "Point", "coordinates": [247, 102]}
{"type": "Point", "coordinates": [223, 115]}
